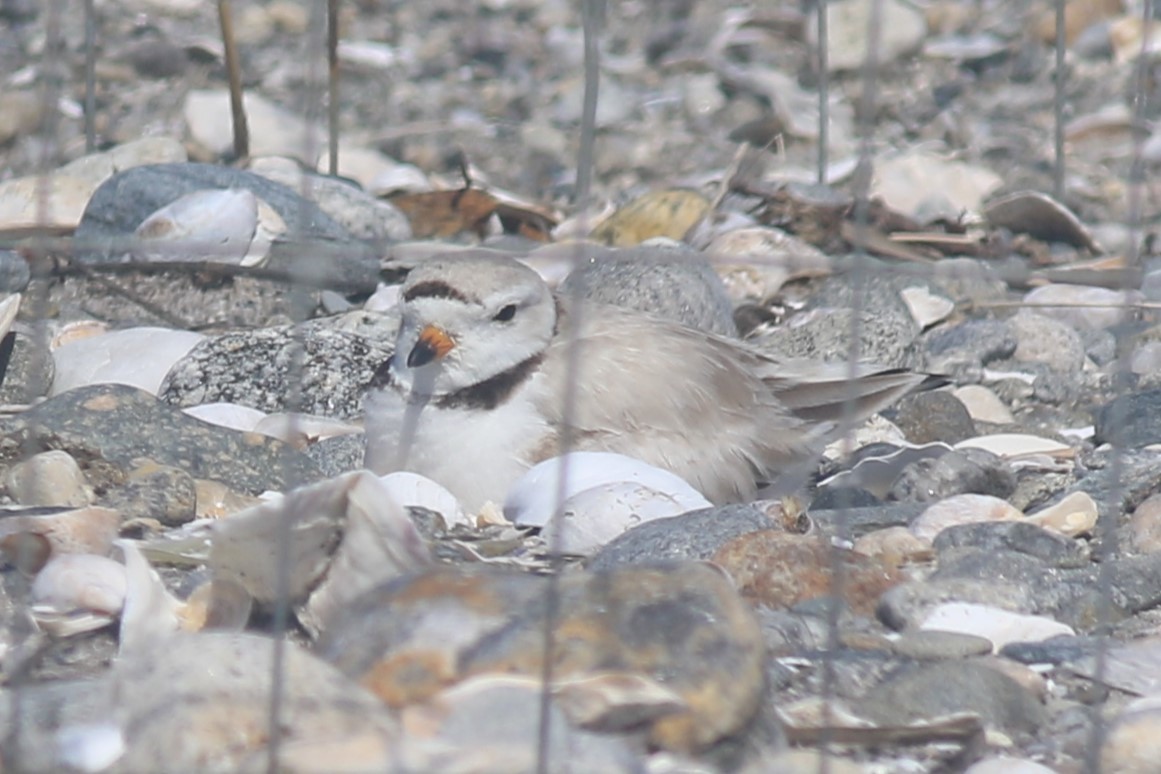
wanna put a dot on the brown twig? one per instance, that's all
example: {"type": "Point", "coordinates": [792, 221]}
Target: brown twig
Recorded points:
{"type": "Point", "coordinates": [234, 74]}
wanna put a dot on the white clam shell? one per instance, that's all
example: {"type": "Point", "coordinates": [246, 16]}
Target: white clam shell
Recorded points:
{"type": "Point", "coordinates": [231, 415]}
{"type": "Point", "coordinates": [75, 593]}
{"type": "Point", "coordinates": [412, 490]}
{"type": "Point", "coordinates": [592, 518]}
{"type": "Point", "coordinates": [212, 225]}
{"type": "Point", "coordinates": [140, 357]}
{"type": "Point", "coordinates": [604, 495]}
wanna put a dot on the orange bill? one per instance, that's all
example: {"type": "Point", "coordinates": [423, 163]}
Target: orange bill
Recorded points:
{"type": "Point", "coordinates": [433, 344]}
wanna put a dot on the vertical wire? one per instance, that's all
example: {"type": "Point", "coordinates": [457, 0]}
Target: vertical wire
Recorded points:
{"type": "Point", "coordinates": [592, 15]}
{"type": "Point", "coordinates": [52, 74]}
{"type": "Point", "coordinates": [1109, 519]}
{"type": "Point", "coordinates": [90, 77]}
{"type": "Point", "coordinates": [1060, 79]}
{"type": "Point", "coordinates": [299, 308]}
{"type": "Point", "coordinates": [333, 7]}
{"type": "Point", "coordinates": [823, 62]}
{"type": "Point", "coordinates": [868, 100]}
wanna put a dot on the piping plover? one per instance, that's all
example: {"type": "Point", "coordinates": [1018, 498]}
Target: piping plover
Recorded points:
{"type": "Point", "coordinates": [478, 390]}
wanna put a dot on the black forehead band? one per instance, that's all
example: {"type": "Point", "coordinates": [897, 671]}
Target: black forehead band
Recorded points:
{"type": "Point", "coordinates": [434, 289]}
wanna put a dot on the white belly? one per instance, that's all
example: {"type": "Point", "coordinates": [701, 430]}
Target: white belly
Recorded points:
{"type": "Point", "coordinates": [477, 455]}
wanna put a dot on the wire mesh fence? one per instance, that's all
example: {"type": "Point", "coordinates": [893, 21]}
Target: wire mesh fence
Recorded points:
{"type": "Point", "coordinates": [861, 291]}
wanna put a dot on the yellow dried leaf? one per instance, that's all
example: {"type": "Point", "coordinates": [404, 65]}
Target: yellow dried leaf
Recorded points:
{"type": "Point", "coordinates": [659, 214]}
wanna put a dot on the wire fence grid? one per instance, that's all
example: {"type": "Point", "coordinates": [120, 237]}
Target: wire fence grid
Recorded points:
{"type": "Point", "coordinates": [66, 74]}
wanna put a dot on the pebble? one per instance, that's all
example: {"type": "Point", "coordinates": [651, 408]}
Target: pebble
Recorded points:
{"type": "Point", "coordinates": [775, 569]}
{"type": "Point", "coordinates": [1004, 764]}
{"type": "Point", "coordinates": [20, 114]}
{"type": "Point", "coordinates": [1082, 306]}
{"type": "Point", "coordinates": [104, 423]}
{"type": "Point", "coordinates": [886, 330]}
{"type": "Point", "coordinates": [903, 29]}
{"type": "Point", "coordinates": [978, 342]}
{"type": "Point", "coordinates": [138, 357]}
{"type": "Point", "coordinates": [1132, 420]}
{"type": "Point", "coordinates": [934, 644]}
{"type": "Point", "coordinates": [218, 718]}
{"type": "Point", "coordinates": [677, 283]}
{"type": "Point", "coordinates": [1042, 339]}
{"type": "Point", "coordinates": [154, 491]}
{"type": "Point", "coordinates": [927, 186]}
{"type": "Point", "coordinates": [51, 478]}
{"type": "Point", "coordinates": [15, 273]}
{"type": "Point", "coordinates": [946, 687]}
{"type": "Point", "coordinates": [255, 369]}
{"type": "Point", "coordinates": [962, 509]}
{"type": "Point", "coordinates": [964, 471]}
{"type": "Point", "coordinates": [894, 545]}
{"type": "Point", "coordinates": [1132, 745]}
{"type": "Point", "coordinates": [274, 131]}
{"type": "Point", "coordinates": [682, 624]}
{"type": "Point", "coordinates": [929, 417]}
{"type": "Point", "coordinates": [1145, 526]}
{"type": "Point", "coordinates": [691, 536]}
{"type": "Point", "coordinates": [493, 723]}
{"type": "Point", "coordinates": [1019, 536]}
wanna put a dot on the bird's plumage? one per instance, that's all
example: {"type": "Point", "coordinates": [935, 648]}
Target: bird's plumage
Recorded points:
{"type": "Point", "coordinates": [524, 365]}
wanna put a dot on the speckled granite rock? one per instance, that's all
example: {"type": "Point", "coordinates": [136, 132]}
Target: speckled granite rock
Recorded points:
{"type": "Point", "coordinates": [678, 283]}
{"type": "Point", "coordinates": [106, 427]}
{"type": "Point", "coordinates": [264, 370]}
{"type": "Point", "coordinates": [680, 624]}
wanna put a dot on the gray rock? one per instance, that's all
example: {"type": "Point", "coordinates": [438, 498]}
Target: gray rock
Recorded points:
{"type": "Point", "coordinates": [978, 342]}
{"type": "Point", "coordinates": [968, 279]}
{"type": "Point", "coordinates": [1042, 339]}
{"type": "Point", "coordinates": [325, 371]}
{"type": "Point", "coordinates": [1052, 548]}
{"type": "Point", "coordinates": [696, 535]}
{"type": "Point", "coordinates": [362, 215]}
{"type": "Point", "coordinates": [886, 331]}
{"type": "Point", "coordinates": [907, 605]}
{"type": "Point", "coordinates": [15, 273]}
{"type": "Point", "coordinates": [949, 687]}
{"type": "Point", "coordinates": [29, 372]}
{"type": "Point", "coordinates": [928, 417]}
{"type": "Point", "coordinates": [1130, 421]}
{"type": "Point", "coordinates": [934, 645]}
{"type": "Point", "coordinates": [964, 471]}
{"type": "Point", "coordinates": [107, 427]}
{"type": "Point", "coordinates": [152, 491]}
{"type": "Point", "coordinates": [677, 283]}
{"type": "Point", "coordinates": [123, 201]}
{"type": "Point", "coordinates": [855, 522]}
{"type": "Point", "coordinates": [337, 455]}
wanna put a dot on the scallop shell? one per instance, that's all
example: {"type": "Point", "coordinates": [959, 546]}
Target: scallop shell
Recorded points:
{"type": "Point", "coordinates": [88, 530]}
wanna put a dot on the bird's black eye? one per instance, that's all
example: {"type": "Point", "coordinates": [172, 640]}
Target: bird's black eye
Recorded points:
{"type": "Point", "coordinates": [506, 313]}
